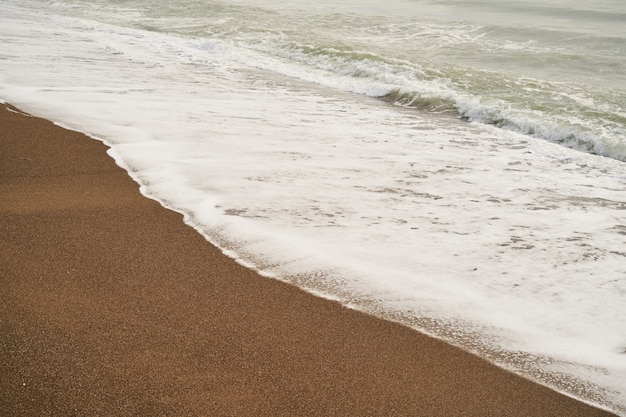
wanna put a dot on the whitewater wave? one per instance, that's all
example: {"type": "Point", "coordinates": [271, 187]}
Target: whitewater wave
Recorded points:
{"type": "Point", "coordinates": [525, 106]}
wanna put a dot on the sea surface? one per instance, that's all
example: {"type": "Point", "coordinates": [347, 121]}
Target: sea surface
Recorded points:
{"type": "Point", "coordinates": [456, 166]}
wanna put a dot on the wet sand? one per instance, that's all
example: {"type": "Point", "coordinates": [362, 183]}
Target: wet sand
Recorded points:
{"type": "Point", "coordinates": [112, 306]}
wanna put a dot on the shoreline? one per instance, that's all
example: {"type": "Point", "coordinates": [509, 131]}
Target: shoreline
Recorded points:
{"type": "Point", "coordinates": [114, 306]}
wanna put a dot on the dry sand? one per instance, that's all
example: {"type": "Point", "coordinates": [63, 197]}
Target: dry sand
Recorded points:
{"type": "Point", "coordinates": [112, 306]}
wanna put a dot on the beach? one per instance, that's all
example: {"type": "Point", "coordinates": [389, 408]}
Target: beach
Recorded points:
{"type": "Point", "coordinates": [111, 305]}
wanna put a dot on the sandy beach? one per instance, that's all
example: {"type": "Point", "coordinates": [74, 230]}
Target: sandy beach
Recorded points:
{"type": "Point", "coordinates": [112, 306]}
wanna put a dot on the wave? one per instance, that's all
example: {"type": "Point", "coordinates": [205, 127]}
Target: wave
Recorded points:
{"type": "Point", "coordinates": [558, 112]}
{"type": "Point", "coordinates": [466, 70]}
{"type": "Point", "coordinates": [521, 120]}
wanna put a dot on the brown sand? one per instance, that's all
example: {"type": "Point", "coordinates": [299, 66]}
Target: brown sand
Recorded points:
{"type": "Point", "coordinates": [111, 306]}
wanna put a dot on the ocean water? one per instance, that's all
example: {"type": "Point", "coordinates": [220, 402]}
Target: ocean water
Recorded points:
{"type": "Point", "coordinates": [456, 166]}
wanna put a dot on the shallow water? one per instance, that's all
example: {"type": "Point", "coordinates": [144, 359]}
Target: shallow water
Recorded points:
{"type": "Point", "coordinates": [412, 160]}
